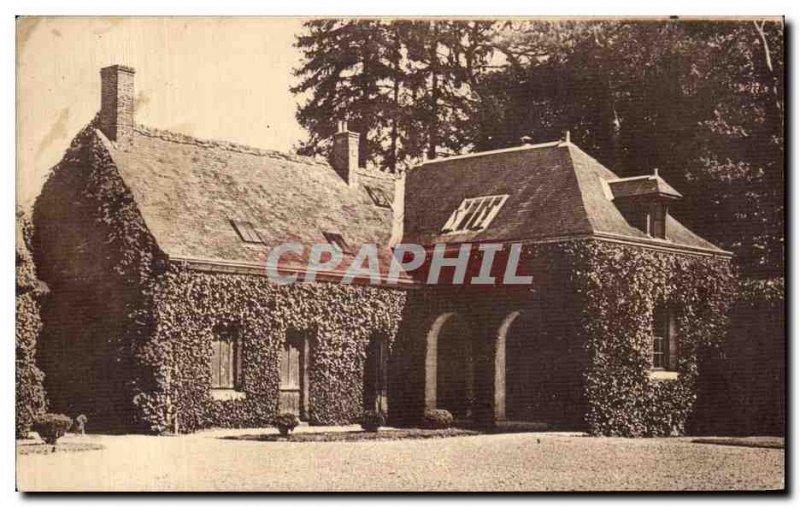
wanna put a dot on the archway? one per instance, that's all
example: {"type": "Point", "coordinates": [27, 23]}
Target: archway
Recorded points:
{"type": "Point", "coordinates": [514, 368]}
{"type": "Point", "coordinates": [449, 366]}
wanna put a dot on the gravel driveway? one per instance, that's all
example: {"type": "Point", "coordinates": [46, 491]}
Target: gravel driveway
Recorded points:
{"type": "Point", "coordinates": [507, 462]}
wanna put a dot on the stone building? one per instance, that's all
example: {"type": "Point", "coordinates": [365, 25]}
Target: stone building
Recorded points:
{"type": "Point", "coordinates": [161, 316]}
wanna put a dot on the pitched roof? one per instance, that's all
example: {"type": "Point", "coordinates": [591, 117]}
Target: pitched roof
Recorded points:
{"type": "Point", "coordinates": [189, 191]}
{"type": "Point", "coordinates": [555, 191]}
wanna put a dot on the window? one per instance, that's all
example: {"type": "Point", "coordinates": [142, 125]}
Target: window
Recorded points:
{"type": "Point", "coordinates": [474, 214]}
{"type": "Point", "coordinates": [337, 240]}
{"type": "Point", "coordinates": [379, 197]}
{"type": "Point", "coordinates": [664, 344]}
{"type": "Point", "coordinates": [657, 219]}
{"type": "Point", "coordinates": [246, 231]}
{"type": "Point", "coordinates": [225, 364]}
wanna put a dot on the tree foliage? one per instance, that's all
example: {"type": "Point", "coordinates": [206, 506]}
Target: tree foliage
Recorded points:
{"type": "Point", "coordinates": [31, 400]}
{"type": "Point", "coordinates": [701, 101]}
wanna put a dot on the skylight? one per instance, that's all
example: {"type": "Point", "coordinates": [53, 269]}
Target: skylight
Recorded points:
{"type": "Point", "coordinates": [337, 240]}
{"type": "Point", "coordinates": [474, 214]}
{"type": "Point", "coordinates": [246, 231]}
{"type": "Point", "coordinates": [379, 197]}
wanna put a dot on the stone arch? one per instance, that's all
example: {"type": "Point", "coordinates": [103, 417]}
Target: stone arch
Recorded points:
{"type": "Point", "coordinates": [449, 365]}
{"type": "Point", "coordinates": [500, 365]}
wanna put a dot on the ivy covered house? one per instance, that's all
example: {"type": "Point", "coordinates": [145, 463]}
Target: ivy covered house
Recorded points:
{"type": "Point", "coordinates": [161, 316]}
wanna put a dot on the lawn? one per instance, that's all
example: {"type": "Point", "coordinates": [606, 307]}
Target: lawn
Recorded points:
{"type": "Point", "coordinates": [208, 461]}
{"type": "Point", "coordinates": [354, 436]}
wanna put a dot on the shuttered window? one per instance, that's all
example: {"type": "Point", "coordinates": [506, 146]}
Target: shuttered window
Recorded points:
{"type": "Point", "coordinates": [225, 364]}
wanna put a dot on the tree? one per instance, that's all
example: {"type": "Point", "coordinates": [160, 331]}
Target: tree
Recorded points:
{"type": "Point", "coordinates": [404, 85]}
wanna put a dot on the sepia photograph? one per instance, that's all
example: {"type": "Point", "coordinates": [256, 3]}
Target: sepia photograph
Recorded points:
{"type": "Point", "coordinates": [400, 254]}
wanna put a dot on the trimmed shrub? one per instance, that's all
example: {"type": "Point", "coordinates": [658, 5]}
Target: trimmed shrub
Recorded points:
{"type": "Point", "coordinates": [51, 427]}
{"type": "Point", "coordinates": [79, 426]}
{"type": "Point", "coordinates": [285, 422]}
{"type": "Point", "coordinates": [371, 421]}
{"type": "Point", "coordinates": [437, 419]}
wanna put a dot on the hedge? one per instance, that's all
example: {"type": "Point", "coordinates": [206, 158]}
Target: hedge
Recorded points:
{"type": "Point", "coordinates": [742, 387]}
{"type": "Point", "coordinates": [31, 401]}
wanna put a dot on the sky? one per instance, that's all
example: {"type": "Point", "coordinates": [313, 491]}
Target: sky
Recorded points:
{"type": "Point", "coordinates": [213, 78]}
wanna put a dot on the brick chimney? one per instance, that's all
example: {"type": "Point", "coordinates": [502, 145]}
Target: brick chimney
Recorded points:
{"type": "Point", "coordinates": [344, 156]}
{"type": "Point", "coordinates": [116, 103]}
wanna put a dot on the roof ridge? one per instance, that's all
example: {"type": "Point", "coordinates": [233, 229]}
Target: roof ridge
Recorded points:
{"type": "Point", "coordinates": [550, 144]}
{"type": "Point", "coordinates": [179, 138]}
{"type": "Point", "coordinates": [630, 178]}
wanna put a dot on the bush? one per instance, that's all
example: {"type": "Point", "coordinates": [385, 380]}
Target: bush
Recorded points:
{"type": "Point", "coordinates": [437, 419]}
{"type": "Point", "coordinates": [51, 427]}
{"type": "Point", "coordinates": [372, 420]}
{"type": "Point", "coordinates": [285, 422]}
{"type": "Point", "coordinates": [79, 426]}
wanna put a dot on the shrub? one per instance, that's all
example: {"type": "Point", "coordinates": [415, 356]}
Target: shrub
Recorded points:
{"type": "Point", "coordinates": [80, 424]}
{"type": "Point", "coordinates": [51, 427]}
{"type": "Point", "coordinates": [285, 422]}
{"type": "Point", "coordinates": [372, 420]}
{"type": "Point", "coordinates": [437, 419]}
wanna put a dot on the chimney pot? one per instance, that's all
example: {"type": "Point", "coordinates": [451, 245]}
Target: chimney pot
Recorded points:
{"type": "Point", "coordinates": [116, 103]}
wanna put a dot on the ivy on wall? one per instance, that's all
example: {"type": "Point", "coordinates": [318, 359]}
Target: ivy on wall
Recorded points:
{"type": "Point", "coordinates": [95, 252]}
{"type": "Point", "coordinates": [30, 394]}
{"type": "Point", "coordinates": [190, 306]}
{"type": "Point", "coordinates": [619, 287]}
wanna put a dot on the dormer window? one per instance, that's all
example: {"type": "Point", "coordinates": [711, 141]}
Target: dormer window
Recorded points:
{"type": "Point", "coordinates": [247, 232]}
{"type": "Point", "coordinates": [336, 239]}
{"type": "Point", "coordinates": [474, 214]}
{"type": "Point", "coordinates": [644, 202]}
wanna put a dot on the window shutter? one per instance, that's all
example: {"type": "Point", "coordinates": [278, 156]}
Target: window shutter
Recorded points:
{"type": "Point", "coordinates": [215, 362]}
{"type": "Point", "coordinates": [226, 360]}
{"type": "Point", "coordinates": [237, 365]}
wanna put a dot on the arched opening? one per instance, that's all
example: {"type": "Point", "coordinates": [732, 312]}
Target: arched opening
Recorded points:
{"type": "Point", "coordinates": [515, 368]}
{"type": "Point", "coordinates": [375, 375]}
{"type": "Point", "coordinates": [449, 366]}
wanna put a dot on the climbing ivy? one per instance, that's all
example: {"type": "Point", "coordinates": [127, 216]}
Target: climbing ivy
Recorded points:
{"type": "Point", "coordinates": [191, 305]}
{"type": "Point", "coordinates": [619, 286]}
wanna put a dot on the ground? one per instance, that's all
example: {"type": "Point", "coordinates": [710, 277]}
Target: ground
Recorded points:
{"type": "Point", "coordinates": [207, 461]}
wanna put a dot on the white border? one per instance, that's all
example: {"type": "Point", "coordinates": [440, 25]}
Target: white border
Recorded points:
{"type": "Point", "coordinates": [501, 8]}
